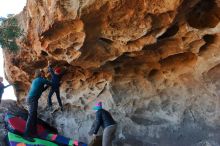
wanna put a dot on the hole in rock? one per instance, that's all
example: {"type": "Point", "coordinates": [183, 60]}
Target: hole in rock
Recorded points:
{"type": "Point", "coordinates": [67, 90]}
{"type": "Point", "coordinates": [204, 15]}
{"type": "Point", "coordinates": [15, 62]}
{"type": "Point", "coordinates": [153, 72]}
{"type": "Point", "coordinates": [117, 69]}
{"type": "Point", "coordinates": [81, 81]}
{"type": "Point", "coordinates": [170, 32]}
{"type": "Point", "coordinates": [144, 121]}
{"type": "Point", "coordinates": [209, 38]}
{"type": "Point", "coordinates": [39, 64]}
{"type": "Point", "coordinates": [68, 96]}
{"type": "Point", "coordinates": [95, 73]}
{"type": "Point", "coordinates": [68, 53]}
{"type": "Point", "coordinates": [43, 53]}
{"type": "Point", "coordinates": [108, 41]}
{"type": "Point", "coordinates": [58, 51]}
{"type": "Point", "coordinates": [203, 49]}
{"type": "Point", "coordinates": [59, 63]}
{"type": "Point", "coordinates": [56, 26]}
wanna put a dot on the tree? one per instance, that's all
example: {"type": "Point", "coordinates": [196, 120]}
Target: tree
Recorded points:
{"type": "Point", "coordinates": [9, 32]}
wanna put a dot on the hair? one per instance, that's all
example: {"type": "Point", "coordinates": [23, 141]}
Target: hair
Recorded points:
{"type": "Point", "coordinates": [98, 106]}
{"type": "Point", "coordinates": [38, 73]}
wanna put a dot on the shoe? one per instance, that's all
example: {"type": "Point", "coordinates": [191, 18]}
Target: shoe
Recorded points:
{"type": "Point", "coordinates": [29, 139]}
{"type": "Point", "coordinates": [50, 108]}
{"type": "Point", "coordinates": [62, 109]}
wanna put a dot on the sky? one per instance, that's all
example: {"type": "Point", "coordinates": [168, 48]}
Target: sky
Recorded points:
{"type": "Point", "coordinates": [9, 7]}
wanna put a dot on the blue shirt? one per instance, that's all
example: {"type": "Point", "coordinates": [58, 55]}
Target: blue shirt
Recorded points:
{"type": "Point", "coordinates": [55, 79]}
{"type": "Point", "coordinates": [37, 87]}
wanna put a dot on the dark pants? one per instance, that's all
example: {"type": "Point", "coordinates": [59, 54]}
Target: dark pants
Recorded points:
{"type": "Point", "coordinates": [1, 97]}
{"type": "Point", "coordinates": [31, 125]}
{"type": "Point", "coordinates": [57, 91]}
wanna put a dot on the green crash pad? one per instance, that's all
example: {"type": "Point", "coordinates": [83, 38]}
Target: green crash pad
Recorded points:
{"type": "Point", "coordinates": [16, 139]}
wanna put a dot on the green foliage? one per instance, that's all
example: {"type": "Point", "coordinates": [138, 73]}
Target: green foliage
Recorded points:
{"type": "Point", "coordinates": [9, 32]}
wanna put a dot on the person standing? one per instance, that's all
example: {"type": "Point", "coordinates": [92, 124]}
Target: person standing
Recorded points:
{"type": "Point", "coordinates": [56, 76]}
{"type": "Point", "coordinates": [37, 88]}
{"type": "Point", "coordinates": [104, 120]}
{"type": "Point", "coordinates": [2, 87]}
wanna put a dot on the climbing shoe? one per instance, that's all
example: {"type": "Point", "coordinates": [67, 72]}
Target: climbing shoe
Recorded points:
{"type": "Point", "coordinates": [50, 108]}
{"type": "Point", "coordinates": [62, 109]}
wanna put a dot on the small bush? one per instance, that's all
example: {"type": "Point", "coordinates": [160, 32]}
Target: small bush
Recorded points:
{"type": "Point", "coordinates": [9, 32]}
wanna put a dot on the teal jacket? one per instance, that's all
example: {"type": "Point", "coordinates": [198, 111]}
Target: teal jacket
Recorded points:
{"type": "Point", "coordinates": [37, 87]}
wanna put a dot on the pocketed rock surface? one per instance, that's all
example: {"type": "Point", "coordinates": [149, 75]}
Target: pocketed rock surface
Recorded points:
{"type": "Point", "coordinates": [155, 64]}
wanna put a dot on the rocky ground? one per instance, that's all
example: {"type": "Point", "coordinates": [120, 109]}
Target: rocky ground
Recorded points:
{"type": "Point", "coordinates": [7, 106]}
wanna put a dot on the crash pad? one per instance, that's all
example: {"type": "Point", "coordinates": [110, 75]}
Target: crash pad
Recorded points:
{"type": "Point", "coordinates": [16, 140]}
{"type": "Point", "coordinates": [17, 124]}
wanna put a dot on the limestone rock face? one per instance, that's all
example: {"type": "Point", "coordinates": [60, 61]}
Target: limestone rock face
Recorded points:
{"type": "Point", "coordinates": [153, 63]}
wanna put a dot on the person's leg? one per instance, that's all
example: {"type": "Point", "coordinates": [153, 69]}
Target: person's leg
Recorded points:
{"type": "Point", "coordinates": [49, 102]}
{"type": "Point", "coordinates": [30, 120]}
{"type": "Point", "coordinates": [108, 135]}
{"type": "Point", "coordinates": [112, 137]}
{"type": "Point", "coordinates": [1, 97]}
{"type": "Point", "coordinates": [34, 124]}
{"type": "Point", "coordinates": [58, 98]}
{"type": "Point", "coordinates": [34, 128]}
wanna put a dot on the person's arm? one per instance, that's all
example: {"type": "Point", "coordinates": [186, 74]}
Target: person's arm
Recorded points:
{"type": "Point", "coordinates": [63, 72]}
{"type": "Point", "coordinates": [47, 82]}
{"type": "Point", "coordinates": [92, 128]}
{"type": "Point", "coordinates": [7, 86]}
{"type": "Point", "coordinates": [51, 70]}
{"type": "Point", "coordinates": [45, 88]}
{"type": "Point", "coordinates": [98, 122]}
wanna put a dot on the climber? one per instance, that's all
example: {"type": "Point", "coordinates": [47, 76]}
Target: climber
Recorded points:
{"type": "Point", "coordinates": [104, 119]}
{"type": "Point", "coordinates": [2, 87]}
{"type": "Point", "coordinates": [56, 77]}
{"type": "Point", "coordinates": [37, 88]}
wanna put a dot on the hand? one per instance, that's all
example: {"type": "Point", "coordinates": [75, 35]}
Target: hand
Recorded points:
{"type": "Point", "coordinates": [90, 133]}
{"type": "Point", "coordinates": [14, 85]}
{"type": "Point", "coordinates": [49, 63]}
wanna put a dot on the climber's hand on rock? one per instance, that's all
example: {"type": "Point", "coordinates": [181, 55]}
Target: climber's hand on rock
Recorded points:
{"type": "Point", "coordinates": [65, 68]}
{"type": "Point", "coordinates": [49, 63]}
{"type": "Point", "coordinates": [14, 85]}
{"type": "Point", "coordinates": [90, 133]}
{"type": "Point", "coordinates": [94, 136]}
